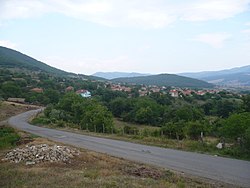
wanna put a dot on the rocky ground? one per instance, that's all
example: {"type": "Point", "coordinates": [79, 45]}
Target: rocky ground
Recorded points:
{"type": "Point", "coordinates": [33, 154]}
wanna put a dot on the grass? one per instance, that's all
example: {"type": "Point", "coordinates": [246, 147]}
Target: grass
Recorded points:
{"type": "Point", "coordinates": [208, 146]}
{"type": "Point", "coordinates": [8, 137]}
{"type": "Point", "coordinates": [91, 169]}
{"type": "Point", "coordinates": [121, 124]}
{"type": "Point", "coordinates": [8, 109]}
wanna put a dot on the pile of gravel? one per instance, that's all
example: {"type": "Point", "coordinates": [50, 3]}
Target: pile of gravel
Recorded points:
{"type": "Point", "coordinates": [33, 154]}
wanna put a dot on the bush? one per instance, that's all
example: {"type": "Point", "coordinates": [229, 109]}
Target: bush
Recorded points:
{"type": "Point", "coordinates": [60, 123]}
{"type": "Point", "coordinates": [236, 125]}
{"type": "Point", "coordinates": [193, 129]}
{"type": "Point", "coordinates": [131, 130]}
{"type": "Point", "coordinates": [8, 137]}
{"type": "Point", "coordinates": [41, 121]}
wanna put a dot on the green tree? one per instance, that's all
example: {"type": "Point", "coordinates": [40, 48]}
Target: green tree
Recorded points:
{"type": "Point", "coordinates": [246, 103]}
{"type": "Point", "coordinates": [10, 89]}
{"type": "Point", "coordinates": [225, 107]}
{"type": "Point", "coordinates": [97, 118]}
{"type": "Point", "coordinates": [246, 138]}
{"type": "Point", "coordinates": [235, 125]}
{"type": "Point", "coordinates": [119, 106]}
{"type": "Point", "coordinates": [194, 129]}
{"type": "Point", "coordinates": [52, 96]}
{"type": "Point", "coordinates": [174, 130]}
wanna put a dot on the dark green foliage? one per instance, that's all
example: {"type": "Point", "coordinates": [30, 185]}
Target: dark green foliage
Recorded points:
{"type": "Point", "coordinates": [86, 113]}
{"type": "Point", "coordinates": [120, 106]}
{"type": "Point", "coordinates": [176, 118]}
{"type": "Point", "coordinates": [131, 130]}
{"type": "Point", "coordinates": [107, 95]}
{"type": "Point", "coordinates": [41, 121]}
{"type": "Point", "coordinates": [236, 125]}
{"type": "Point", "coordinates": [188, 113]}
{"type": "Point", "coordinates": [221, 107]}
{"type": "Point", "coordinates": [8, 137]}
{"type": "Point", "coordinates": [174, 130]}
{"type": "Point", "coordinates": [162, 99]}
{"type": "Point", "coordinates": [194, 129]}
{"type": "Point", "coordinates": [166, 80]}
{"type": "Point", "coordinates": [14, 59]}
{"type": "Point", "coordinates": [246, 140]}
{"type": "Point", "coordinates": [10, 89]}
{"type": "Point", "coordinates": [143, 110]}
{"type": "Point", "coordinates": [97, 118]}
{"type": "Point", "coordinates": [246, 103]}
{"type": "Point", "coordinates": [224, 108]}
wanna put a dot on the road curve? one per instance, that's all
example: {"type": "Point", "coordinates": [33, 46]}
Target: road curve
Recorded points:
{"type": "Point", "coordinates": [232, 171]}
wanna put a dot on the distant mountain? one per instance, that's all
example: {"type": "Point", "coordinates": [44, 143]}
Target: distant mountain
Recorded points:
{"type": "Point", "coordinates": [113, 75]}
{"type": "Point", "coordinates": [239, 76]}
{"type": "Point", "coordinates": [166, 80]}
{"type": "Point", "coordinates": [15, 60]}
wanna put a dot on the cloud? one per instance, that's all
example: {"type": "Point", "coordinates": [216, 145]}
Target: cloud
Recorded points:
{"type": "Point", "coordinates": [213, 9]}
{"type": "Point", "coordinates": [90, 65]}
{"type": "Point", "coordinates": [15, 9]}
{"type": "Point", "coordinates": [246, 31]}
{"type": "Point", "coordinates": [124, 13]}
{"type": "Point", "coordinates": [247, 24]}
{"type": "Point", "coordinates": [8, 44]}
{"type": "Point", "coordinates": [216, 40]}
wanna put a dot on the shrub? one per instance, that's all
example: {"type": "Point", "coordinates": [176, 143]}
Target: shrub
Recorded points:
{"type": "Point", "coordinates": [8, 137]}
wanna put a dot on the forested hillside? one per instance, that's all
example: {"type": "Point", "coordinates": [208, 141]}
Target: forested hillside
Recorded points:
{"type": "Point", "coordinates": [13, 59]}
{"type": "Point", "coordinates": [239, 76]}
{"type": "Point", "coordinates": [166, 80]}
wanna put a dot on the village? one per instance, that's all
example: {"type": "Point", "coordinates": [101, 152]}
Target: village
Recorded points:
{"type": "Point", "coordinates": [141, 90]}
{"type": "Point", "coordinates": [144, 90]}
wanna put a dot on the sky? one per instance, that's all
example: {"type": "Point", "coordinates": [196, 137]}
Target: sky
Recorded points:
{"type": "Point", "coordinates": [146, 36]}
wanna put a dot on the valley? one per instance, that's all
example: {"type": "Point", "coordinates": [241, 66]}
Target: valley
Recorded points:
{"type": "Point", "coordinates": [168, 111]}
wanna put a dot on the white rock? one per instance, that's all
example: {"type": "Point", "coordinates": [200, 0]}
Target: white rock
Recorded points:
{"type": "Point", "coordinates": [219, 145]}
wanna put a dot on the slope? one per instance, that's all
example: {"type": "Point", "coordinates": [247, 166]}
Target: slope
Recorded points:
{"type": "Point", "coordinates": [166, 80]}
{"type": "Point", "coordinates": [113, 75]}
{"type": "Point", "coordinates": [239, 76]}
{"type": "Point", "coordinates": [13, 59]}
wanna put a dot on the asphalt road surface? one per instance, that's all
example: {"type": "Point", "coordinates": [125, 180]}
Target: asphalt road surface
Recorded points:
{"type": "Point", "coordinates": [232, 171]}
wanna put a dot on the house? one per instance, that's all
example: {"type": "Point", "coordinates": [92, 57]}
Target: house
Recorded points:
{"type": "Point", "coordinates": [18, 100]}
{"type": "Point", "coordinates": [37, 90]}
{"type": "Point", "coordinates": [70, 88]}
{"type": "Point", "coordinates": [187, 92]}
{"type": "Point", "coordinates": [115, 88]}
{"type": "Point", "coordinates": [143, 93]}
{"type": "Point", "coordinates": [201, 93]}
{"type": "Point", "coordinates": [155, 90]}
{"type": "Point", "coordinates": [84, 93]}
{"type": "Point", "coordinates": [174, 93]}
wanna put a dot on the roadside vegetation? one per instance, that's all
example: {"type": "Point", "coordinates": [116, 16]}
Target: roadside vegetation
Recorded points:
{"type": "Point", "coordinates": [8, 137]}
{"type": "Point", "coordinates": [89, 169]}
{"type": "Point", "coordinates": [190, 122]}
{"type": "Point", "coordinates": [188, 128]}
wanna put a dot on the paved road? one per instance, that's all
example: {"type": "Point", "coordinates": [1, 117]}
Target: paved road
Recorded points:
{"type": "Point", "coordinates": [236, 172]}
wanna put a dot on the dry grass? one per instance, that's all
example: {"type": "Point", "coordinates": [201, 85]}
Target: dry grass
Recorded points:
{"type": "Point", "coordinates": [91, 169]}
{"type": "Point", "coordinates": [8, 109]}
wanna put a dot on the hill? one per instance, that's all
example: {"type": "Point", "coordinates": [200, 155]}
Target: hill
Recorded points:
{"type": "Point", "coordinates": [165, 80]}
{"type": "Point", "coordinates": [239, 76]}
{"type": "Point", "coordinates": [13, 59]}
{"type": "Point", "coordinates": [113, 75]}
